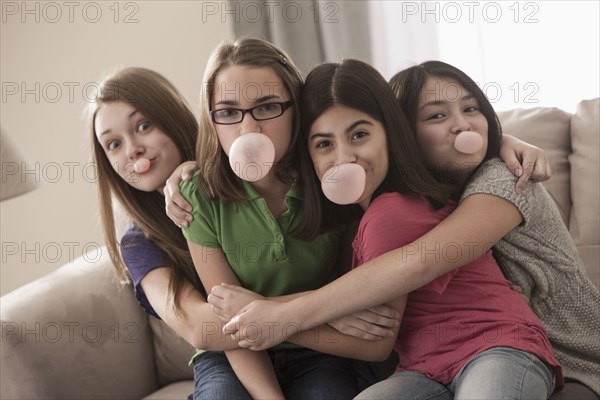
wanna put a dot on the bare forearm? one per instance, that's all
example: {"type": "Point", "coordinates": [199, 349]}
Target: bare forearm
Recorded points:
{"type": "Point", "coordinates": [255, 372]}
{"type": "Point", "coordinates": [195, 322]}
{"type": "Point", "coordinates": [326, 339]}
{"type": "Point", "coordinates": [205, 331]}
{"type": "Point", "coordinates": [383, 273]}
{"type": "Point", "coordinates": [462, 237]}
{"type": "Point", "coordinates": [289, 297]}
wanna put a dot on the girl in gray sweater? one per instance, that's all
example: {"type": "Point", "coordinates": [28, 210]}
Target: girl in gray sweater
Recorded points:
{"type": "Point", "coordinates": [538, 253]}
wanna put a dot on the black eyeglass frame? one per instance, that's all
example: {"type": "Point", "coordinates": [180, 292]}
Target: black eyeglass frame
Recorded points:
{"type": "Point", "coordinates": [284, 106]}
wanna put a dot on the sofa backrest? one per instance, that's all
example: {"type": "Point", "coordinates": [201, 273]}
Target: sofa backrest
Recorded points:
{"type": "Point", "coordinates": [584, 223]}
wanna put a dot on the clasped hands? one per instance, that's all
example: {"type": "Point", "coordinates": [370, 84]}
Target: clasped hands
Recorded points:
{"type": "Point", "coordinates": [257, 323]}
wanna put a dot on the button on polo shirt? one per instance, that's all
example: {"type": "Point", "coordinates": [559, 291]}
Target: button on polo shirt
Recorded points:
{"type": "Point", "coordinates": [260, 249]}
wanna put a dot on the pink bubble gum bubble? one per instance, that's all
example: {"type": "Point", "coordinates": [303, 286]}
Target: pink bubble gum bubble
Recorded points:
{"type": "Point", "coordinates": [141, 165]}
{"type": "Point", "coordinates": [251, 156]}
{"type": "Point", "coordinates": [468, 142]}
{"type": "Point", "coordinates": [344, 183]}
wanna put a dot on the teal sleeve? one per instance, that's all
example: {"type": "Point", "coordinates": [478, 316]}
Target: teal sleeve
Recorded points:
{"type": "Point", "coordinates": [201, 230]}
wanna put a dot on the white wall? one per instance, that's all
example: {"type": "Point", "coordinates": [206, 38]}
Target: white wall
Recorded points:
{"type": "Point", "coordinates": [50, 53]}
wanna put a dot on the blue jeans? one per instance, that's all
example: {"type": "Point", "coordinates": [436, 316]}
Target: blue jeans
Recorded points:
{"type": "Point", "coordinates": [214, 379]}
{"type": "Point", "coordinates": [370, 372]}
{"type": "Point", "coordinates": [497, 373]}
{"type": "Point", "coordinates": [302, 374]}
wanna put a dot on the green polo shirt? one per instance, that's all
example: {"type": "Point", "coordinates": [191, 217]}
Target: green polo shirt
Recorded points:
{"type": "Point", "coordinates": [259, 248]}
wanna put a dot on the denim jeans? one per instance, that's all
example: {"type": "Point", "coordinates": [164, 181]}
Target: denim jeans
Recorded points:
{"type": "Point", "coordinates": [214, 379]}
{"type": "Point", "coordinates": [370, 372]}
{"type": "Point", "coordinates": [497, 373]}
{"type": "Point", "coordinates": [302, 374]}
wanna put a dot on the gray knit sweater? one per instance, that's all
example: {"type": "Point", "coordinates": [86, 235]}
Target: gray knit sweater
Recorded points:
{"type": "Point", "coordinates": [540, 256]}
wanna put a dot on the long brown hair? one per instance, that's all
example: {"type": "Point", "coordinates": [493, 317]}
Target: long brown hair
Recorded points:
{"type": "Point", "coordinates": [220, 180]}
{"type": "Point", "coordinates": [159, 101]}
{"type": "Point", "coordinates": [357, 85]}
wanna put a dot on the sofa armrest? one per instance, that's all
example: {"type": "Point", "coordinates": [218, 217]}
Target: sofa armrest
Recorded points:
{"type": "Point", "coordinates": [76, 334]}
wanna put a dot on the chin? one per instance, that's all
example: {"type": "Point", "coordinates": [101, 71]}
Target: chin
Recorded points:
{"type": "Point", "coordinates": [147, 187]}
{"type": "Point", "coordinates": [476, 161]}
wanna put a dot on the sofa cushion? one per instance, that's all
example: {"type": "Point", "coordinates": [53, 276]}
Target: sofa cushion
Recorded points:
{"type": "Point", "coordinates": [549, 129]}
{"type": "Point", "coordinates": [172, 354]}
{"type": "Point", "coordinates": [584, 222]}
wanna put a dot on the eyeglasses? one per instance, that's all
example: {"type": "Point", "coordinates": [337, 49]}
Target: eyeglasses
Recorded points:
{"type": "Point", "coordinates": [263, 112]}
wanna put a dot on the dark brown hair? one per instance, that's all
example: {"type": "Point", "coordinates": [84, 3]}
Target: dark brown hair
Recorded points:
{"type": "Point", "coordinates": [357, 85]}
{"type": "Point", "coordinates": [408, 84]}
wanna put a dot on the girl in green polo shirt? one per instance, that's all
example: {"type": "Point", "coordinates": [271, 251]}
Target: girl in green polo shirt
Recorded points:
{"type": "Point", "coordinates": [243, 232]}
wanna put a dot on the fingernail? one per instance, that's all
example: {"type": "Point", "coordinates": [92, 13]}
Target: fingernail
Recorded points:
{"type": "Point", "coordinates": [188, 217]}
{"type": "Point", "coordinates": [184, 224]}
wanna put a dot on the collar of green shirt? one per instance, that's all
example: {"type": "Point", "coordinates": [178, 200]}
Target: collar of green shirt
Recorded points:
{"type": "Point", "coordinates": [251, 193]}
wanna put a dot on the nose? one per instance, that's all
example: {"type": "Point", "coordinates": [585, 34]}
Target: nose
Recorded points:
{"type": "Point", "coordinates": [134, 149]}
{"type": "Point", "coordinates": [460, 124]}
{"type": "Point", "coordinates": [344, 155]}
{"type": "Point", "coordinates": [249, 124]}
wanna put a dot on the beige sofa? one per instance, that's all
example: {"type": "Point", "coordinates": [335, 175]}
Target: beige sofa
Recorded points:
{"type": "Point", "coordinates": [77, 334]}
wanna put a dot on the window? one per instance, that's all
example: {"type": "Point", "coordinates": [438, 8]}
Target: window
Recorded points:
{"type": "Point", "coordinates": [523, 54]}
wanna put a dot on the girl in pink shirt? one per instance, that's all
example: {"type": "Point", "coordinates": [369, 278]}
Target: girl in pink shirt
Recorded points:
{"type": "Point", "coordinates": [466, 334]}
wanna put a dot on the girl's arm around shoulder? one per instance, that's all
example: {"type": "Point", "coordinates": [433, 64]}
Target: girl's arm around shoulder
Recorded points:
{"type": "Point", "coordinates": [470, 230]}
{"type": "Point", "coordinates": [178, 209]}
{"type": "Point", "coordinates": [524, 161]}
{"type": "Point", "coordinates": [326, 339]}
{"type": "Point", "coordinates": [380, 222]}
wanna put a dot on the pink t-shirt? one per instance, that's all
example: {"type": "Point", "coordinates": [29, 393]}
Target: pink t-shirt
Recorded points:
{"type": "Point", "coordinates": [457, 315]}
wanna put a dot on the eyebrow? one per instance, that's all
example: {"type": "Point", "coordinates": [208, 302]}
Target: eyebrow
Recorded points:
{"type": "Point", "coordinates": [439, 102]}
{"type": "Point", "coordinates": [347, 130]}
{"type": "Point", "coordinates": [255, 101]}
{"type": "Point", "coordinates": [128, 118]}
